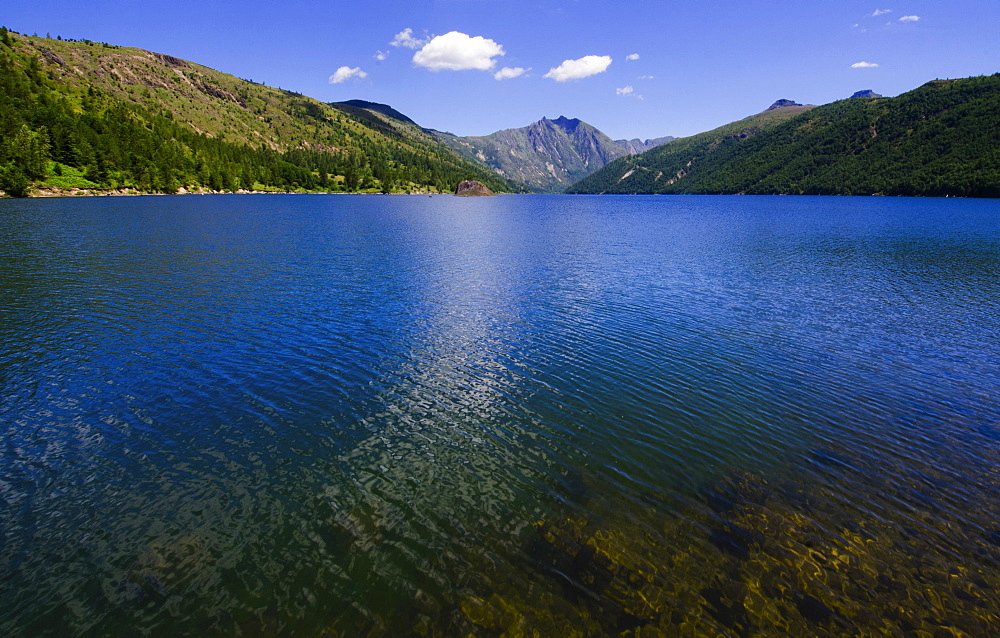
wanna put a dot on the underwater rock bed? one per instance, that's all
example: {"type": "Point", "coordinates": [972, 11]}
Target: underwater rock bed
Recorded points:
{"type": "Point", "coordinates": [753, 559]}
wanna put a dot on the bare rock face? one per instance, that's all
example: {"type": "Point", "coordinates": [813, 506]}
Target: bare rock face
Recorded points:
{"type": "Point", "coordinates": [472, 188]}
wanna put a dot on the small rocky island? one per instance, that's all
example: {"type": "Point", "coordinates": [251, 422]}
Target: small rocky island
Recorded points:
{"type": "Point", "coordinates": [472, 188]}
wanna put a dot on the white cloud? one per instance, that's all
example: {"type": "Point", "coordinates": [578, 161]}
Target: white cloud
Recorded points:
{"type": "Point", "coordinates": [645, 77]}
{"type": "Point", "coordinates": [507, 73]}
{"type": "Point", "coordinates": [909, 19]}
{"type": "Point", "coordinates": [345, 73]}
{"type": "Point", "coordinates": [881, 12]}
{"type": "Point", "coordinates": [405, 39]}
{"type": "Point", "coordinates": [584, 67]}
{"type": "Point", "coordinates": [455, 51]}
{"type": "Point", "coordinates": [628, 91]}
{"type": "Point", "coordinates": [632, 56]}
{"type": "Point", "coordinates": [864, 65]}
{"type": "Point", "coordinates": [381, 55]}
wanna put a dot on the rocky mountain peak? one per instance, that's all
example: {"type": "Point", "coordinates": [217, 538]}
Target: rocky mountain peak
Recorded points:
{"type": "Point", "coordinates": [780, 104]}
{"type": "Point", "coordinates": [565, 123]}
{"type": "Point", "coordinates": [866, 93]}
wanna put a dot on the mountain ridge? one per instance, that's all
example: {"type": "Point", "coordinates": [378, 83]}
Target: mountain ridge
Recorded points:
{"type": "Point", "coordinates": [384, 109]}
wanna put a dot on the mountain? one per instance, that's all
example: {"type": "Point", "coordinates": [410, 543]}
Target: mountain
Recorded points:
{"type": "Point", "coordinates": [636, 146]}
{"type": "Point", "coordinates": [942, 138]}
{"type": "Point", "coordinates": [546, 156]}
{"type": "Point", "coordinates": [99, 117]}
{"type": "Point", "coordinates": [866, 93]}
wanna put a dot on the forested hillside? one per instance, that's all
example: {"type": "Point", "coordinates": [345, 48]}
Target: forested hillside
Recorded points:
{"type": "Point", "coordinates": [940, 139]}
{"type": "Point", "coordinates": [97, 117]}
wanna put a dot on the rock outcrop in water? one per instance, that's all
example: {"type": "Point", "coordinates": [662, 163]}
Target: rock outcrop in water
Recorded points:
{"type": "Point", "coordinates": [472, 188]}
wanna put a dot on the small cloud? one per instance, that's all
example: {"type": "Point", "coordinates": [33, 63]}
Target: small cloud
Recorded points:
{"type": "Point", "coordinates": [632, 56]}
{"type": "Point", "coordinates": [881, 12]}
{"type": "Point", "coordinates": [381, 55]}
{"type": "Point", "coordinates": [406, 40]}
{"type": "Point", "coordinates": [576, 69]}
{"type": "Point", "coordinates": [864, 65]}
{"type": "Point", "coordinates": [508, 73]}
{"type": "Point", "coordinates": [455, 51]}
{"type": "Point", "coordinates": [628, 91]}
{"type": "Point", "coordinates": [345, 73]}
{"type": "Point", "coordinates": [910, 19]}
{"type": "Point", "coordinates": [645, 77]}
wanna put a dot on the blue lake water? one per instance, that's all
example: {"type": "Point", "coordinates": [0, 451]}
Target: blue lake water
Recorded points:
{"type": "Point", "coordinates": [436, 416]}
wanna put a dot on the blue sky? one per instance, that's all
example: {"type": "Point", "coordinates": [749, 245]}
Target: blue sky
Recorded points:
{"type": "Point", "coordinates": [632, 69]}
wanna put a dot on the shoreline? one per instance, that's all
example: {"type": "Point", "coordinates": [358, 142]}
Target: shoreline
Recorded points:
{"type": "Point", "coordinates": [52, 193]}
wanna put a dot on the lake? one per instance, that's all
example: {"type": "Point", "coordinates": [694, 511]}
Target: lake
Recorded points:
{"type": "Point", "coordinates": [439, 416]}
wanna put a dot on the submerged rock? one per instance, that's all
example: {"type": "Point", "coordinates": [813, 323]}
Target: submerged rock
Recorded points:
{"type": "Point", "coordinates": [472, 188]}
{"type": "Point", "coordinates": [610, 568]}
{"type": "Point", "coordinates": [736, 489]}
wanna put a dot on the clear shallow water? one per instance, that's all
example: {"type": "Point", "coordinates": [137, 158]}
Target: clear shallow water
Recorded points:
{"type": "Point", "coordinates": [322, 415]}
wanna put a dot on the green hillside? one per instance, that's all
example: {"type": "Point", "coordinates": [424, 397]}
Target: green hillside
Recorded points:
{"type": "Point", "coordinates": [642, 173]}
{"type": "Point", "coordinates": [97, 117]}
{"type": "Point", "coordinates": [940, 139]}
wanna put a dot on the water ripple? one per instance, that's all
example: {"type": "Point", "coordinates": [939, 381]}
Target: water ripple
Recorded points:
{"type": "Point", "coordinates": [387, 416]}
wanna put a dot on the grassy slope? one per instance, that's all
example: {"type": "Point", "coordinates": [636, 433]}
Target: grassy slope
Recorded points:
{"type": "Point", "coordinates": [209, 101]}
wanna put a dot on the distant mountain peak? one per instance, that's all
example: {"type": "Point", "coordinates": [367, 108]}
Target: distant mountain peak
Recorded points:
{"type": "Point", "coordinates": [547, 155]}
{"type": "Point", "coordinates": [866, 93]}
{"type": "Point", "coordinates": [637, 146]}
{"type": "Point", "coordinates": [780, 104]}
{"type": "Point", "coordinates": [567, 124]}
